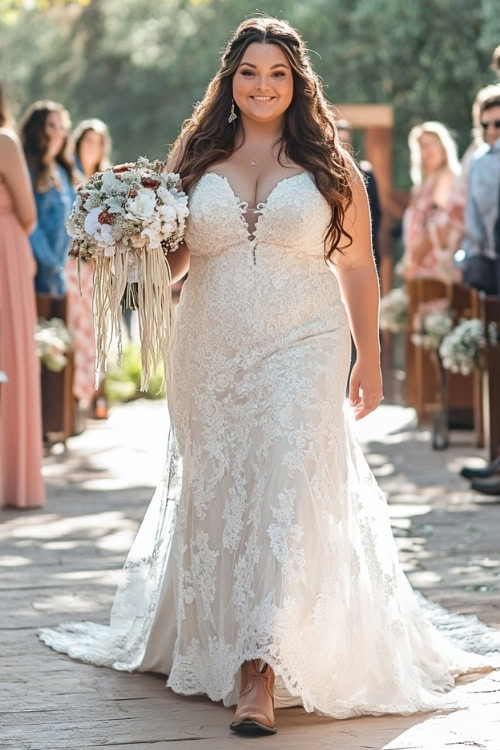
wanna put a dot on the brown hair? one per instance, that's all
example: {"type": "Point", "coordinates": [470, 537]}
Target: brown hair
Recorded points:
{"type": "Point", "coordinates": [309, 136]}
{"type": "Point", "coordinates": [97, 126]}
{"type": "Point", "coordinates": [35, 141]}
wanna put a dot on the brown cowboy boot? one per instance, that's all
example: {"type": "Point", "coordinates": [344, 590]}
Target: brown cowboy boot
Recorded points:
{"type": "Point", "coordinates": [255, 710]}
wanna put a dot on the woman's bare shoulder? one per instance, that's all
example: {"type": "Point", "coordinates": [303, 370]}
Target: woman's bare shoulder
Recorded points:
{"type": "Point", "coordinates": [9, 140]}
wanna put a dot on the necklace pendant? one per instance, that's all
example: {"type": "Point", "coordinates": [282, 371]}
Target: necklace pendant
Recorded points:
{"type": "Point", "coordinates": [253, 162]}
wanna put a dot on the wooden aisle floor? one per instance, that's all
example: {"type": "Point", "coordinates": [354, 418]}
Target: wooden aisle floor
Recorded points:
{"type": "Point", "coordinates": [61, 563]}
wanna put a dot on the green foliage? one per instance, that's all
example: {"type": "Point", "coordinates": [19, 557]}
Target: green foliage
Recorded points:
{"type": "Point", "coordinates": [140, 65]}
{"type": "Point", "coordinates": [123, 383]}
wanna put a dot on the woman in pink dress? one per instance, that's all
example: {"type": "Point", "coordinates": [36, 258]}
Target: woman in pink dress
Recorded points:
{"type": "Point", "coordinates": [92, 150]}
{"type": "Point", "coordinates": [21, 483]}
{"type": "Point", "coordinates": [430, 218]}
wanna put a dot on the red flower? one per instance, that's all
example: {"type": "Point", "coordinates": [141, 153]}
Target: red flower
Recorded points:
{"type": "Point", "coordinates": [132, 194]}
{"type": "Point", "coordinates": [150, 182]}
{"type": "Point", "coordinates": [105, 218]}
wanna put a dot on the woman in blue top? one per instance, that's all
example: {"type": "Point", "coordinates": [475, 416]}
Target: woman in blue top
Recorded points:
{"type": "Point", "coordinates": [44, 133]}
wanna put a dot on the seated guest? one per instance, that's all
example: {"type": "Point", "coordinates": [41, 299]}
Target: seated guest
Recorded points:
{"type": "Point", "coordinates": [44, 134]}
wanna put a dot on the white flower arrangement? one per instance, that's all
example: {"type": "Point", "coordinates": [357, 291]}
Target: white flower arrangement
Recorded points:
{"type": "Point", "coordinates": [394, 311]}
{"type": "Point", "coordinates": [53, 342]}
{"type": "Point", "coordinates": [493, 336]}
{"type": "Point", "coordinates": [432, 322]}
{"type": "Point", "coordinates": [125, 220]}
{"type": "Point", "coordinates": [460, 350]}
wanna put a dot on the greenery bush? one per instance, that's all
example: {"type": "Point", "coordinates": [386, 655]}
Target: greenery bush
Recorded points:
{"type": "Point", "coordinates": [140, 65]}
{"type": "Point", "coordinates": [123, 382]}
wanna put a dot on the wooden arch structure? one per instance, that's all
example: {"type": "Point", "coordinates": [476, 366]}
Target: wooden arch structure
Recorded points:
{"type": "Point", "coordinates": [377, 123]}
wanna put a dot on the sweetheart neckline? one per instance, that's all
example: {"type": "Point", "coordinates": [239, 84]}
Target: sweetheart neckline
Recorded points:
{"type": "Point", "coordinates": [243, 205]}
{"type": "Point", "coordinates": [269, 195]}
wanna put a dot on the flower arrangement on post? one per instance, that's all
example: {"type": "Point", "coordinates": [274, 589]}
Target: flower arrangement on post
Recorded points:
{"type": "Point", "coordinates": [431, 323]}
{"type": "Point", "coordinates": [460, 350]}
{"type": "Point", "coordinates": [53, 342]}
{"type": "Point", "coordinates": [125, 220]}
{"type": "Point", "coordinates": [394, 311]}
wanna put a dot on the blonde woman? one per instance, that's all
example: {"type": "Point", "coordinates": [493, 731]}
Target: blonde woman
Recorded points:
{"type": "Point", "coordinates": [92, 144]}
{"type": "Point", "coordinates": [429, 219]}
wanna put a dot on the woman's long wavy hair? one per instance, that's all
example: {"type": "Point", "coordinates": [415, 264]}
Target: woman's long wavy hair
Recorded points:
{"type": "Point", "coordinates": [35, 142]}
{"type": "Point", "coordinates": [309, 136]}
{"type": "Point", "coordinates": [448, 143]}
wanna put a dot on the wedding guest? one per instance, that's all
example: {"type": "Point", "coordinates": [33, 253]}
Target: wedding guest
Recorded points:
{"type": "Point", "coordinates": [92, 152]}
{"type": "Point", "coordinates": [92, 144]}
{"type": "Point", "coordinates": [44, 133]}
{"type": "Point", "coordinates": [482, 264]}
{"type": "Point", "coordinates": [426, 226]}
{"type": "Point", "coordinates": [345, 135]}
{"type": "Point", "coordinates": [21, 483]}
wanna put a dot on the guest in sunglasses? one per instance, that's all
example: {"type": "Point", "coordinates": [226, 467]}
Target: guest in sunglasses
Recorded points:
{"type": "Point", "coordinates": [482, 266]}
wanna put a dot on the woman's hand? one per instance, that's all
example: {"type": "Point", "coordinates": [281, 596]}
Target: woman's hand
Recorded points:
{"type": "Point", "coordinates": [365, 387]}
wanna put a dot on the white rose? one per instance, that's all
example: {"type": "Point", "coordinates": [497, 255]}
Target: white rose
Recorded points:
{"type": "Point", "coordinates": [166, 196]}
{"type": "Point", "coordinates": [167, 213]}
{"type": "Point", "coordinates": [152, 235]}
{"type": "Point", "coordinates": [143, 205]}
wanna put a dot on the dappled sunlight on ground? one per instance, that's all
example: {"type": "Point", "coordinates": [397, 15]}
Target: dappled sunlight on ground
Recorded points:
{"type": "Point", "coordinates": [64, 562]}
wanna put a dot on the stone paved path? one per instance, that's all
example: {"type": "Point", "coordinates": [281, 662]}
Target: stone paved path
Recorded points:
{"type": "Point", "coordinates": [61, 563]}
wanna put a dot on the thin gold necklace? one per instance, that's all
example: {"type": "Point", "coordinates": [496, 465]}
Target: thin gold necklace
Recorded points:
{"type": "Point", "coordinates": [253, 162]}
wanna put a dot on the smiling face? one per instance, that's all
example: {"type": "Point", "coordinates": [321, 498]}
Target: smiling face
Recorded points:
{"type": "Point", "coordinates": [263, 83]}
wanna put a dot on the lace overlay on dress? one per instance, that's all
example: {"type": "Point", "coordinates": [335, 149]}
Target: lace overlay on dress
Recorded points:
{"type": "Point", "coordinates": [269, 537]}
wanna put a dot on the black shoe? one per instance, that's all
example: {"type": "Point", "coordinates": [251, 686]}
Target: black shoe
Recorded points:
{"type": "Point", "coordinates": [488, 471]}
{"type": "Point", "coordinates": [489, 486]}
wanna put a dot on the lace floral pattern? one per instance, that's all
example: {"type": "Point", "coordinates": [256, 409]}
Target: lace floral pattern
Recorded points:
{"type": "Point", "coordinates": [269, 536]}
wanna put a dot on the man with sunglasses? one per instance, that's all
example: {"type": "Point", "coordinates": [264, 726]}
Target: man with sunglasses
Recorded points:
{"type": "Point", "coordinates": [482, 264]}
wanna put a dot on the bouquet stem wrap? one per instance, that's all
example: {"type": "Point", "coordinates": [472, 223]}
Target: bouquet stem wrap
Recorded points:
{"type": "Point", "coordinates": [154, 305]}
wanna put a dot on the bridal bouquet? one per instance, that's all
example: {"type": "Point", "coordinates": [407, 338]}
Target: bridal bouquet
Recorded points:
{"type": "Point", "coordinates": [432, 322]}
{"type": "Point", "coordinates": [460, 350]}
{"type": "Point", "coordinates": [125, 220]}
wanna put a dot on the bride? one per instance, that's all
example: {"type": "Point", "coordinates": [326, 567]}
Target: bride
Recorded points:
{"type": "Point", "coordinates": [265, 573]}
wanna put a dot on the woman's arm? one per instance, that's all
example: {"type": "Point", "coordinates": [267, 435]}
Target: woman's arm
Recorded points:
{"type": "Point", "coordinates": [178, 260]}
{"type": "Point", "coordinates": [359, 286]}
{"type": "Point", "coordinates": [14, 172]}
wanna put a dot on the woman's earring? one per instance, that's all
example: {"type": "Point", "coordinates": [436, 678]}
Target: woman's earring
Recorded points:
{"type": "Point", "coordinates": [233, 114]}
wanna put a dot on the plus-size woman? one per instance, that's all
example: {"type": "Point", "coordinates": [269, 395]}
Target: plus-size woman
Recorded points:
{"type": "Point", "coordinates": [266, 553]}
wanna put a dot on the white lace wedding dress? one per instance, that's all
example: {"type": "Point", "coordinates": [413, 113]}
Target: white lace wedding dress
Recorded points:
{"type": "Point", "coordinates": [268, 536]}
